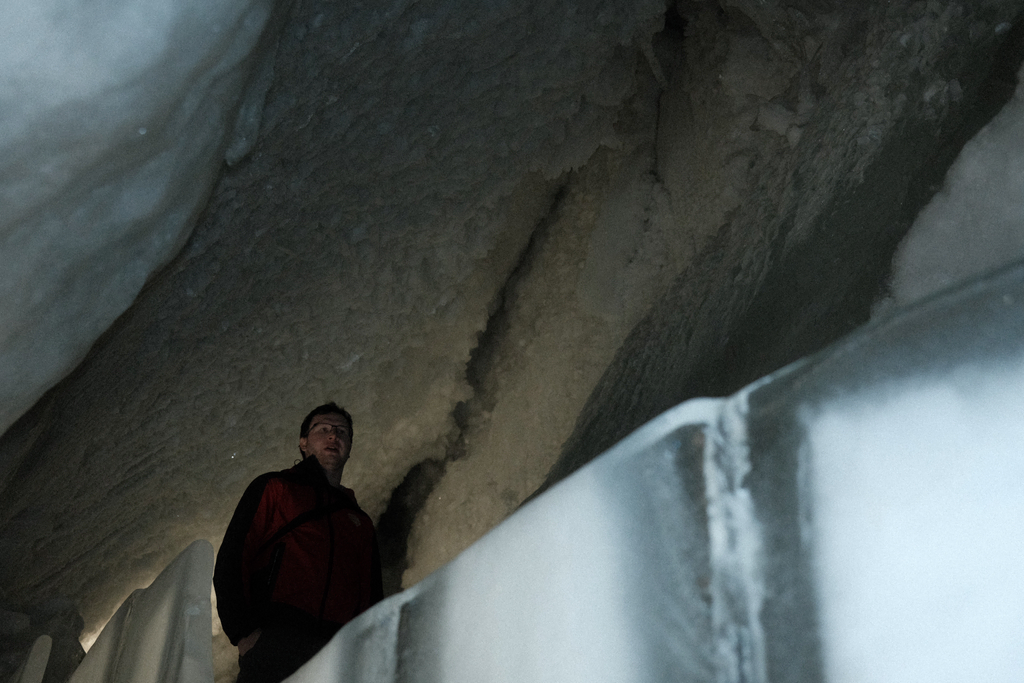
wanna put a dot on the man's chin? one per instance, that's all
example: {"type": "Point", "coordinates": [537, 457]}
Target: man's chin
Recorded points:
{"type": "Point", "coordinates": [333, 458]}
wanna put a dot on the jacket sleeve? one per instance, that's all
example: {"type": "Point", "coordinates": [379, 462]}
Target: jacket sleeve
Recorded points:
{"type": "Point", "coordinates": [236, 612]}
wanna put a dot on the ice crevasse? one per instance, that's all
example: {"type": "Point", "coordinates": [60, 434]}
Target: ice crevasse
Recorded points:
{"type": "Point", "coordinates": [114, 119]}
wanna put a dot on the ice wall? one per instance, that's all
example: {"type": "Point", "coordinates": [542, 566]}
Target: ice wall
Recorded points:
{"type": "Point", "coordinates": [917, 554]}
{"type": "Point", "coordinates": [852, 517]}
{"type": "Point", "coordinates": [115, 119]}
{"type": "Point", "coordinates": [408, 153]}
{"type": "Point", "coordinates": [598, 580]}
{"type": "Point", "coordinates": [161, 633]}
{"type": "Point", "coordinates": [418, 171]}
{"type": "Point", "coordinates": [913, 473]}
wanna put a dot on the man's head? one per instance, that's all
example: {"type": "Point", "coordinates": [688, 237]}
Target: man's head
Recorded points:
{"type": "Point", "coordinates": [326, 434]}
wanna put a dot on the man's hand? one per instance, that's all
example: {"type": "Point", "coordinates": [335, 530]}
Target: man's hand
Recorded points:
{"type": "Point", "coordinates": [245, 644]}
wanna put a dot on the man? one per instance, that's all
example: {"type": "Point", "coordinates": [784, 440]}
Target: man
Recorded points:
{"type": "Point", "coordinates": [299, 558]}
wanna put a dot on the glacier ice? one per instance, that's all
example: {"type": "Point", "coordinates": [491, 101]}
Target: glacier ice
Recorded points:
{"type": "Point", "coordinates": [853, 517]}
{"type": "Point", "coordinates": [567, 589]}
{"type": "Point", "coordinates": [160, 634]}
{"type": "Point", "coordinates": [114, 118]}
{"type": "Point", "coordinates": [917, 558]}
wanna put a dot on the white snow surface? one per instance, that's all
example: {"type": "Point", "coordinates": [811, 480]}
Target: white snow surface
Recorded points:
{"type": "Point", "coordinates": [113, 122]}
{"type": "Point", "coordinates": [918, 499]}
{"type": "Point", "coordinates": [976, 222]}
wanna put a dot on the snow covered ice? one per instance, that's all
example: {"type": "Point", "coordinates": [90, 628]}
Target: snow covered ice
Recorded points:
{"type": "Point", "coordinates": [114, 120]}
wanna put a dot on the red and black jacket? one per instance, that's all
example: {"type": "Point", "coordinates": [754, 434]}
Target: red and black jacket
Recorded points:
{"type": "Point", "coordinates": [297, 553]}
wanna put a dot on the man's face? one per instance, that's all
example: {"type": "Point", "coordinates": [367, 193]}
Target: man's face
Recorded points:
{"type": "Point", "coordinates": [329, 441]}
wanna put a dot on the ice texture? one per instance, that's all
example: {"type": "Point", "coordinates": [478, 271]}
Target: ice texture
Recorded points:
{"type": "Point", "coordinates": [736, 587]}
{"type": "Point", "coordinates": [160, 634]}
{"type": "Point", "coordinates": [536, 621]}
{"type": "Point", "coordinates": [599, 579]}
{"type": "Point", "coordinates": [913, 490]}
{"type": "Point", "coordinates": [976, 221]}
{"type": "Point", "coordinates": [359, 257]}
{"type": "Point", "coordinates": [853, 517]}
{"type": "Point", "coordinates": [114, 118]}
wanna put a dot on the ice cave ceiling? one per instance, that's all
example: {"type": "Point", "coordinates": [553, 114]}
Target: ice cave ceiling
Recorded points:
{"type": "Point", "coordinates": [502, 234]}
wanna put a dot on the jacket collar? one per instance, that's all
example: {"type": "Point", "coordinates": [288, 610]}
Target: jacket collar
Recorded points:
{"type": "Point", "coordinates": [308, 471]}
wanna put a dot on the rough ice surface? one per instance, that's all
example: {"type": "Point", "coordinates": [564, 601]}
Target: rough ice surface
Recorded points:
{"type": "Point", "coordinates": [898, 455]}
{"type": "Point", "coordinates": [367, 277]}
{"type": "Point", "coordinates": [113, 123]}
{"type": "Point", "coordinates": [736, 587]}
{"type": "Point", "coordinates": [976, 222]}
{"type": "Point", "coordinates": [596, 580]}
{"type": "Point", "coordinates": [887, 469]}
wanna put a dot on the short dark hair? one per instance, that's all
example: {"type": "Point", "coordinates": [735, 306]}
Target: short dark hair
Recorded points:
{"type": "Point", "coordinates": [331, 408]}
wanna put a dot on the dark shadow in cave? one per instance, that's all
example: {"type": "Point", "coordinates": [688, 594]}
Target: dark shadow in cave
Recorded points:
{"type": "Point", "coordinates": [825, 286]}
{"type": "Point", "coordinates": [394, 525]}
{"type": "Point", "coordinates": [707, 336]}
{"type": "Point", "coordinates": [411, 495]}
